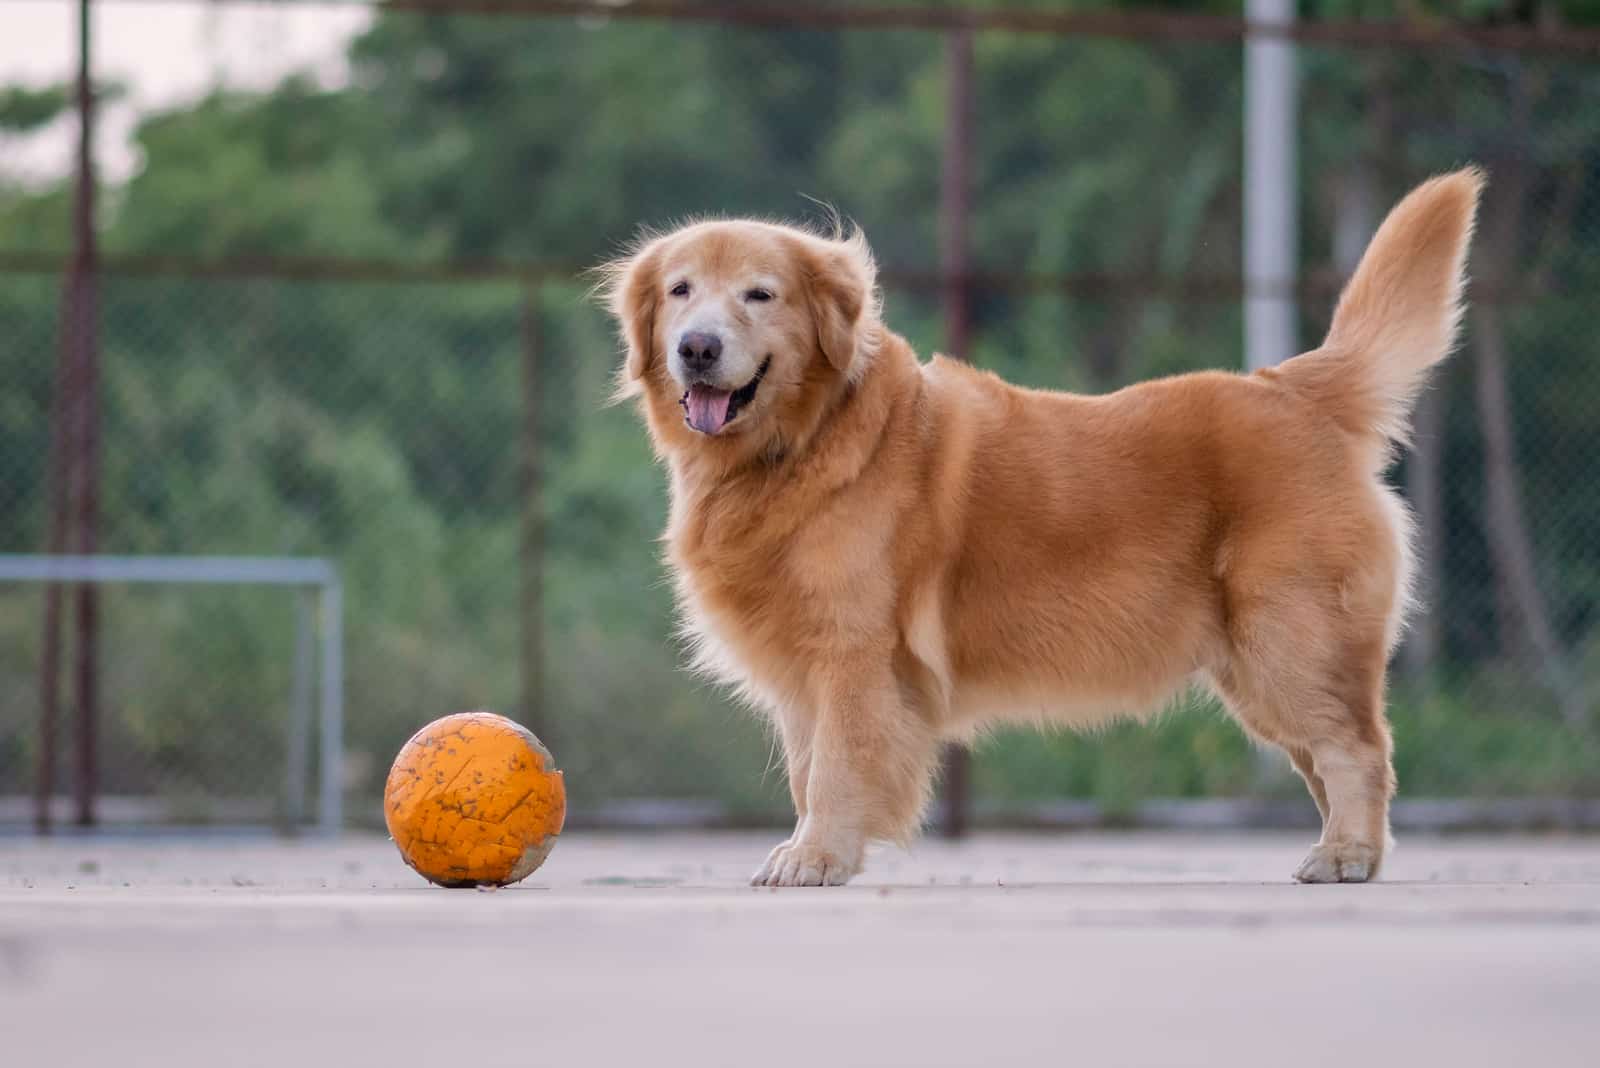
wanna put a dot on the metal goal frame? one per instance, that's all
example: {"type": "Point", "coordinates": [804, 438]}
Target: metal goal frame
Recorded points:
{"type": "Point", "coordinates": [321, 596]}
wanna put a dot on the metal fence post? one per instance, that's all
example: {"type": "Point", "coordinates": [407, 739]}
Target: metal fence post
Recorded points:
{"type": "Point", "coordinates": [1271, 240]}
{"type": "Point", "coordinates": [74, 471]}
{"type": "Point", "coordinates": [82, 315]}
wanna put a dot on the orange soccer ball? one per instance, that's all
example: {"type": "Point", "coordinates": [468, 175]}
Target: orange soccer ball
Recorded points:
{"type": "Point", "coordinates": [474, 799]}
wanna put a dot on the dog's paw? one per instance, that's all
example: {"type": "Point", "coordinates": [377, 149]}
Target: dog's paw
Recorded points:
{"type": "Point", "coordinates": [803, 864]}
{"type": "Point", "coordinates": [1338, 862]}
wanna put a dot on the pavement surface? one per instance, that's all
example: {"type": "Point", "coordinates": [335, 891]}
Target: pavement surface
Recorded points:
{"type": "Point", "coordinates": [1092, 949]}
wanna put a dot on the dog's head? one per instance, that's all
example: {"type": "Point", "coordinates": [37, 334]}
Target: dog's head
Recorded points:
{"type": "Point", "coordinates": [738, 332]}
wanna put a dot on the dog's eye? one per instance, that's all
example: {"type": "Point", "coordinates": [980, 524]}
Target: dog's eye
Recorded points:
{"type": "Point", "coordinates": [680, 290]}
{"type": "Point", "coordinates": [759, 295]}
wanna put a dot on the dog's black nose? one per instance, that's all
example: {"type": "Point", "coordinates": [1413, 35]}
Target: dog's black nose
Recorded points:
{"type": "Point", "coordinates": [699, 351]}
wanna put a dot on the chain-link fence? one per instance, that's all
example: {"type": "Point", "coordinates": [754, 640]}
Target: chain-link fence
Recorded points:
{"type": "Point", "coordinates": [343, 321]}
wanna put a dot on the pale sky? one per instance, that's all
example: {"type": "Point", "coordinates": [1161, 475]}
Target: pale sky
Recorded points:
{"type": "Point", "coordinates": [165, 52]}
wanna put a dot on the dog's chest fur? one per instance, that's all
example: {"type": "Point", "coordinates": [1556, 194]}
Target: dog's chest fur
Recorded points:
{"type": "Point", "coordinates": [774, 583]}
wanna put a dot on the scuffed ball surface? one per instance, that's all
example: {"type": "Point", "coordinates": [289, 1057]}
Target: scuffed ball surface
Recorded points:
{"type": "Point", "coordinates": [474, 799]}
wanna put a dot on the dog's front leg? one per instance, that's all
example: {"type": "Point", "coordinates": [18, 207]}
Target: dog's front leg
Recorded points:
{"type": "Point", "coordinates": [795, 729]}
{"type": "Point", "coordinates": [866, 775]}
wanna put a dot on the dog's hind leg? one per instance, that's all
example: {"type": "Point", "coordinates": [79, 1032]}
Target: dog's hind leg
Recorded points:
{"type": "Point", "coordinates": [1309, 676]}
{"type": "Point", "coordinates": [1360, 781]}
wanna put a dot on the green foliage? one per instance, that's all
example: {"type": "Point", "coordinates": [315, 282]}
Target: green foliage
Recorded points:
{"type": "Point", "coordinates": [281, 173]}
{"type": "Point", "coordinates": [23, 109]}
{"type": "Point", "coordinates": [1188, 751]}
{"type": "Point", "coordinates": [380, 423]}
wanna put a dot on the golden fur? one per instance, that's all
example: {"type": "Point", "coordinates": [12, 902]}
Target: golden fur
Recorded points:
{"type": "Point", "coordinates": [884, 554]}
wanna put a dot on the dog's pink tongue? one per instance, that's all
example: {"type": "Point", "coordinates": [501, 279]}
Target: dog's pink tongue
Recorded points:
{"type": "Point", "coordinates": [707, 408]}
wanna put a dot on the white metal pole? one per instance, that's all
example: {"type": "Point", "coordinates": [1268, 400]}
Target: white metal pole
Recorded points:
{"type": "Point", "coordinates": [1271, 236]}
{"type": "Point", "coordinates": [297, 748]}
{"type": "Point", "coordinates": [332, 755]}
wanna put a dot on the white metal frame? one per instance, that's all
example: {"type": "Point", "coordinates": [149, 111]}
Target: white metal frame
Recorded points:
{"type": "Point", "coordinates": [315, 578]}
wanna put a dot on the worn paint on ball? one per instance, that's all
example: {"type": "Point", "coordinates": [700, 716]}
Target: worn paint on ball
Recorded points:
{"type": "Point", "coordinates": [474, 799]}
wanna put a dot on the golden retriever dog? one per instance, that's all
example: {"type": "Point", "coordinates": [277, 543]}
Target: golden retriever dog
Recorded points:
{"type": "Point", "coordinates": [884, 554]}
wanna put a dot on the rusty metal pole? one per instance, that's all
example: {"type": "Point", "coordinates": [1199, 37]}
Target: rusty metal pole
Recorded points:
{"type": "Point", "coordinates": [954, 209]}
{"type": "Point", "coordinates": [83, 310]}
{"type": "Point", "coordinates": [530, 545]}
{"type": "Point", "coordinates": [72, 496]}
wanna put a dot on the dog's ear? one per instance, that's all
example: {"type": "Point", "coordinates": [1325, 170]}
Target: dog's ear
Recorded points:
{"type": "Point", "coordinates": [841, 285]}
{"type": "Point", "coordinates": [631, 289]}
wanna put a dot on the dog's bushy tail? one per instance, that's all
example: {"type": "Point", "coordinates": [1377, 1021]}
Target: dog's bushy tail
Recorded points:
{"type": "Point", "coordinates": [1397, 316]}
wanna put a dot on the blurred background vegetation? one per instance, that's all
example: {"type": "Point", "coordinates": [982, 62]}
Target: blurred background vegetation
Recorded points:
{"type": "Point", "coordinates": [376, 421]}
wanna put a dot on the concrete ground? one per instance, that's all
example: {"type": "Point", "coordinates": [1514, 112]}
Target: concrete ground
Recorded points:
{"type": "Point", "coordinates": [1088, 949]}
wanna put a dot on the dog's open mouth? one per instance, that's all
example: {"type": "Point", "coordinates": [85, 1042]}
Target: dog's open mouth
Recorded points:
{"type": "Point", "coordinates": [708, 410]}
